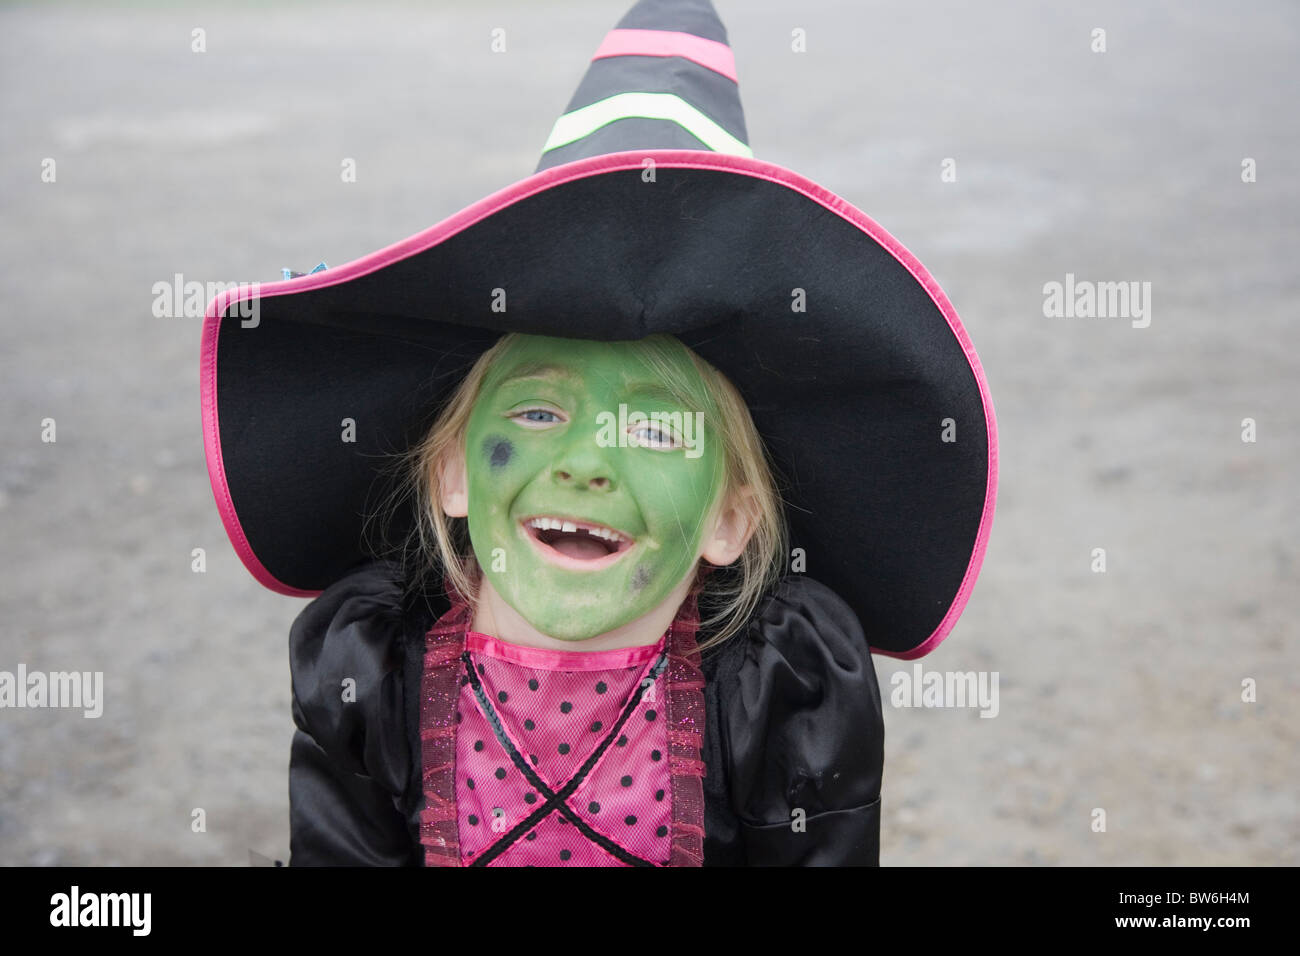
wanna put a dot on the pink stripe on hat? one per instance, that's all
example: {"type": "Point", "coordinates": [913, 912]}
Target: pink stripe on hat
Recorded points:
{"type": "Point", "coordinates": [716, 56]}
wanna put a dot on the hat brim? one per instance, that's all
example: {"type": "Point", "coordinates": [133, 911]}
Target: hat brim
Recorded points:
{"type": "Point", "coordinates": [871, 399]}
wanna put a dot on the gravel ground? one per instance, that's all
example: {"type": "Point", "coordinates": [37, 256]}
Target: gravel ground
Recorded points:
{"type": "Point", "coordinates": [1120, 691]}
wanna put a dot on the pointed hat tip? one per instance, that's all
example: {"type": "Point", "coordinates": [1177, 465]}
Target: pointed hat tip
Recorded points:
{"type": "Point", "coordinates": [663, 78]}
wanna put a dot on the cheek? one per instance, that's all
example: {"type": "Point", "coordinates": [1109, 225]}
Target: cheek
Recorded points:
{"type": "Point", "coordinates": [675, 499]}
{"type": "Point", "coordinates": [641, 577]}
{"type": "Point", "coordinates": [492, 467]}
{"type": "Point", "coordinates": [497, 452]}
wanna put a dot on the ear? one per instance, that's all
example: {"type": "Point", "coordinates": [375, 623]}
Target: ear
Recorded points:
{"type": "Point", "coordinates": [732, 528]}
{"type": "Point", "coordinates": [453, 483]}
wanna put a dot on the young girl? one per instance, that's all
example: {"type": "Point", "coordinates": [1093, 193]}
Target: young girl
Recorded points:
{"type": "Point", "coordinates": [561, 696]}
{"type": "Point", "coordinates": [663, 385]}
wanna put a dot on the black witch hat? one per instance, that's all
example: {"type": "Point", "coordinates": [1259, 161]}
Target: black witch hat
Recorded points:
{"type": "Point", "coordinates": [648, 214]}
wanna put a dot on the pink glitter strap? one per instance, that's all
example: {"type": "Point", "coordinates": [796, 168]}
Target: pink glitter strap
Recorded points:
{"type": "Point", "coordinates": [685, 737]}
{"type": "Point", "coordinates": [440, 690]}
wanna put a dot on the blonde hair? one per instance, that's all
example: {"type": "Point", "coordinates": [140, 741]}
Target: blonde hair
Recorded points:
{"type": "Point", "coordinates": [733, 593]}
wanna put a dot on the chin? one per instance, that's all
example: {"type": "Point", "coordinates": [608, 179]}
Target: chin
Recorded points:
{"type": "Point", "coordinates": [562, 632]}
{"type": "Point", "coordinates": [561, 627]}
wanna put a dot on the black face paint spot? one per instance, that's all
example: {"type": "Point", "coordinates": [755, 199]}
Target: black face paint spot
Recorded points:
{"type": "Point", "coordinates": [641, 577]}
{"type": "Point", "coordinates": [498, 450]}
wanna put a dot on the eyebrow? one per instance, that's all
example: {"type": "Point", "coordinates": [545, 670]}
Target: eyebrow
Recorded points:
{"type": "Point", "coordinates": [543, 370]}
{"type": "Point", "coordinates": [653, 390]}
{"type": "Point", "coordinates": [539, 370]}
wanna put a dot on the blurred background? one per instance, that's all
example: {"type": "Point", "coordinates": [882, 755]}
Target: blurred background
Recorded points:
{"type": "Point", "coordinates": [1119, 690]}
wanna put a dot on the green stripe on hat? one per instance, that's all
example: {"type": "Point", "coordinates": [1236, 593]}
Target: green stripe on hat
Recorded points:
{"type": "Point", "coordinates": [573, 126]}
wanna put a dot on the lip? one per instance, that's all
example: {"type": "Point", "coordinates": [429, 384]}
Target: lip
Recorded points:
{"type": "Point", "coordinates": [551, 556]}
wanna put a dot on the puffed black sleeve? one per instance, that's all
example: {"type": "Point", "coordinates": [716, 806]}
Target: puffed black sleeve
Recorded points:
{"type": "Point", "coordinates": [800, 737]}
{"type": "Point", "coordinates": [350, 763]}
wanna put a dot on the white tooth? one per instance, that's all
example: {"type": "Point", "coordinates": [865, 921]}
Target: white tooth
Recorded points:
{"type": "Point", "coordinates": [568, 526]}
{"type": "Point", "coordinates": [600, 533]}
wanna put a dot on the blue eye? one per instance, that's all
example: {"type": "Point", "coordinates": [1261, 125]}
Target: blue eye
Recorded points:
{"type": "Point", "coordinates": [659, 438]}
{"type": "Point", "coordinates": [527, 413]}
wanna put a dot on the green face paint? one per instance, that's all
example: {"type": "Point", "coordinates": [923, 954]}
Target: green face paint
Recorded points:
{"type": "Point", "coordinates": [568, 432]}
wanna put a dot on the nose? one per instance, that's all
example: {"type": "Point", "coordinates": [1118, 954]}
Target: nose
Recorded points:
{"type": "Point", "coordinates": [597, 483]}
{"type": "Point", "coordinates": [583, 465]}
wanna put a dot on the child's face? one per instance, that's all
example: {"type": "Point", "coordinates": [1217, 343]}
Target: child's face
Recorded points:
{"type": "Point", "coordinates": [543, 443]}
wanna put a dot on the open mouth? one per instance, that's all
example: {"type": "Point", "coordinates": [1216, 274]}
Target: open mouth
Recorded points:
{"type": "Point", "coordinates": [573, 543]}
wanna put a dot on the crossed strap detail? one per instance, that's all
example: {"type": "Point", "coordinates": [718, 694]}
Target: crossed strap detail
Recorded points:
{"type": "Point", "coordinates": [557, 800]}
{"type": "Point", "coordinates": [445, 670]}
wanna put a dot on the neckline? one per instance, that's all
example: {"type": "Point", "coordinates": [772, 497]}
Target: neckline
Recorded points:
{"type": "Point", "coordinates": [542, 659]}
